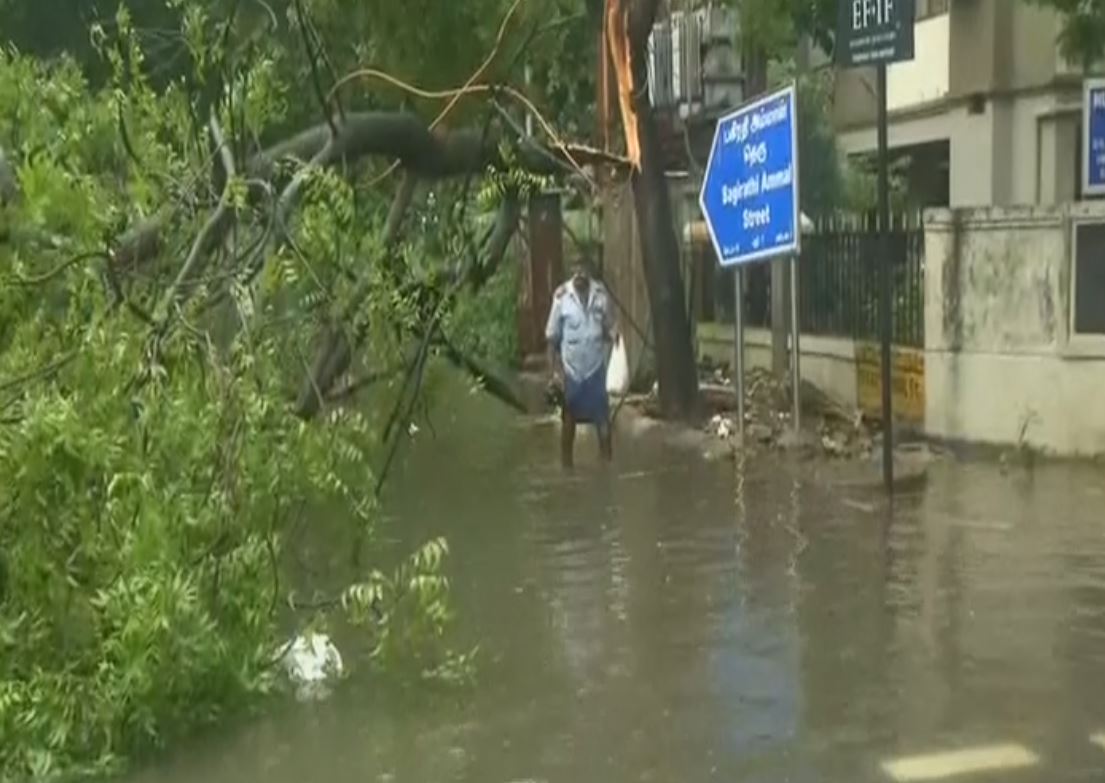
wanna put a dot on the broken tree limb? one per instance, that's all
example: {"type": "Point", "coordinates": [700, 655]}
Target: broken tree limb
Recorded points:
{"type": "Point", "coordinates": [335, 353]}
{"type": "Point", "coordinates": [210, 236]}
{"type": "Point", "coordinates": [490, 381]}
{"type": "Point", "coordinates": [506, 223]}
{"type": "Point", "coordinates": [400, 135]}
{"type": "Point", "coordinates": [357, 385]}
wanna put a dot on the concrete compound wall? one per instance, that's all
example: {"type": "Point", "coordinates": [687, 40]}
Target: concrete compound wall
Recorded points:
{"type": "Point", "coordinates": [1001, 365]}
{"type": "Point", "coordinates": [827, 362]}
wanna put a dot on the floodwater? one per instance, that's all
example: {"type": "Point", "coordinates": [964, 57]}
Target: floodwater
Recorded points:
{"type": "Point", "coordinates": [669, 619]}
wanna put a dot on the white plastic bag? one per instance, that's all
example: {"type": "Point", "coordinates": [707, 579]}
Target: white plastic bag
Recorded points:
{"type": "Point", "coordinates": [311, 661]}
{"type": "Point", "coordinates": [617, 372]}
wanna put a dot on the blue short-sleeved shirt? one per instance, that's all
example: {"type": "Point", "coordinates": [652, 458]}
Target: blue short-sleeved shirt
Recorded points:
{"type": "Point", "coordinates": [581, 331]}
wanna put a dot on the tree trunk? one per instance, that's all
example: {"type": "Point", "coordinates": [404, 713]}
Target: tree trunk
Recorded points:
{"type": "Point", "coordinates": [675, 358]}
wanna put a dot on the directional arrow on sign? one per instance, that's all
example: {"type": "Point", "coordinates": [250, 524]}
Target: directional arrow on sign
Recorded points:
{"type": "Point", "coordinates": [749, 194]}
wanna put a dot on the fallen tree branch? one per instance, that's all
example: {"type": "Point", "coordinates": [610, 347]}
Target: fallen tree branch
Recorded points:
{"type": "Point", "coordinates": [336, 347]}
{"type": "Point", "coordinates": [42, 372]}
{"type": "Point", "coordinates": [336, 354]}
{"type": "Point", "coordinates": [290, 197]}
{"type": "Point", "coordinates": [489, 381]}
{"type": "Point", "coordinates": [357, 385]}
{"type": "Point", "coordinates": [506, 224]}
{"type": "Point", "coordinates": [415, 374]}
{"type": "Point", "coordinates": [29, 282]}
{"type": "Point", "coordinates": [475, 77]}
{"type": "Point", "coordinates": [401, 135]}
{"type": "Point", "coordinates": [305, 29]}
{"type": "Point", "coordinates": [210, 236]}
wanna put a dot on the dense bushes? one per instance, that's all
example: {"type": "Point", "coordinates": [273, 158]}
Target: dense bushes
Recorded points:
{"type": "Point", "coordinates": [150, 471]}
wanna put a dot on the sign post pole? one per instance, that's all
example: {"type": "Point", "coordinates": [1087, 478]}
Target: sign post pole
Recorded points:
{"type": "Point", "coordinates": [878, 32]}
{"type": "Point", "coordinates": [749, 198]}
{"type": "Point", "coordinates": [795, 346]}
{"type": "Point", "coordinates": [885, 297]}
{"type": "Point", "coordinates": [738, 347]}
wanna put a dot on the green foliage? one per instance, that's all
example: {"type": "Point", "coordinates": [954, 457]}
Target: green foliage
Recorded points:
{"type": "Point", "coordinates": [823, 173]}
{"type": "Point", "coordinates": [486, 324]}
{"type": "Point", "coordinates": [773, 27]}
{"type": "Point", "coordinates": [830, 183]}
{"type": "Point", "coordinates": [861, 182]}
{"type": "Point", "coordinates": [152, 472]}
{"type": "Point", "coordinates": [412, 609]}
{"type": "Point", "coordinates": [1082, 36]}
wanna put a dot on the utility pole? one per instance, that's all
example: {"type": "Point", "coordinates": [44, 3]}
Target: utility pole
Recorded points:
{"type": "Point", "coordinates": [879, 33]}
{"type": "Point", "coordinates": [885, 298]}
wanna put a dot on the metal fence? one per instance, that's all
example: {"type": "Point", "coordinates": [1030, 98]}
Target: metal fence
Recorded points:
{"type": "Point", "coordinates": [839, 283]}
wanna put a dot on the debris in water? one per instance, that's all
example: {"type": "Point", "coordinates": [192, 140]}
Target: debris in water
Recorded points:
{"type": "Point", "coordinates": [836, 431]}
{"type": "Point", "coordinates": [721, 426]}
{"type": "Point", "coordinates": [311, 661]}
{"type": "Point", "coordinates": [866, 508]}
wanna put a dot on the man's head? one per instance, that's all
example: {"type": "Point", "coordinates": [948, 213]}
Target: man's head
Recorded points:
{"type": "Point", "coordinates": [582, 272]}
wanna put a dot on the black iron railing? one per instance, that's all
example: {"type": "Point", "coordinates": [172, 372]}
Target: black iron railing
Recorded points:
{"type": "Point", "coordinates": [839, 283]}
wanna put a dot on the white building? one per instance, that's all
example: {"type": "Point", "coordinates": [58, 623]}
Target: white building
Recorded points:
{"type": "Point", "coordinates": [988, 113]}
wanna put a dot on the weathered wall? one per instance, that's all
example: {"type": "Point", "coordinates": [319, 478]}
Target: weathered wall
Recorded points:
{"type": "Point", "coordinates": [999, 367]}
{"type": "Point", "coordinates": [827, 362]}
{"type": "Point", "coordinates": [845, 370]}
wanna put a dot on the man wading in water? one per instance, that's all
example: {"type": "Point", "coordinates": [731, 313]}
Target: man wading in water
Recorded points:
{"type": "Point", "coordinates": [580, 334]}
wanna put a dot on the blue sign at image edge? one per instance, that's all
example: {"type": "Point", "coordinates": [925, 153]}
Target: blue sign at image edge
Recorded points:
{"type": "Point", "coordinates": [1093, 152]}
{"type": "Point", "coordinates": [749, 195]}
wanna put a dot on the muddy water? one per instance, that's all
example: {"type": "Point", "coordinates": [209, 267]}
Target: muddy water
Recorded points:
{"type": "Point", "coordinates": [672, 620]}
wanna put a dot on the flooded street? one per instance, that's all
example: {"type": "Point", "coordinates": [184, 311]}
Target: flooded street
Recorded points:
{"type": "Point", "coordinates": [673, 620]}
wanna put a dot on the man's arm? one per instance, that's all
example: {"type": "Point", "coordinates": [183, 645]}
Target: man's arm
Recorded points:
{"type": "Point", "coordinates": [556, 363]}
{"type": "Point", "coordinates": [553, 335]}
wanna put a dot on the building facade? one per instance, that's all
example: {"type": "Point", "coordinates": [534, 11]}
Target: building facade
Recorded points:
{"type": "Point", "coordinates": [988, 112]}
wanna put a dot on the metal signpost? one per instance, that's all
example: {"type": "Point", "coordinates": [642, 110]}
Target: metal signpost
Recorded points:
{"type": "Point", "coordinates": [1093, 139]}
{"type": "Point", "coordinates": [877, 32]}
{"type": "Point", "coordinates": [749, 200]}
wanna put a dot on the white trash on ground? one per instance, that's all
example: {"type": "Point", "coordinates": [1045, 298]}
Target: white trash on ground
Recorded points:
{"type": "Point", "coordinates": [721, 426]}
{"type": "Point", "coordinates": [617, 373]}
{"type": "Point", "coordinates": [311, 661]}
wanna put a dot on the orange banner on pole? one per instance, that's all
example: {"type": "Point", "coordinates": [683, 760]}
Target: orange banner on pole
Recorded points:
{"type": "Point", "coordinates": [617, 36]}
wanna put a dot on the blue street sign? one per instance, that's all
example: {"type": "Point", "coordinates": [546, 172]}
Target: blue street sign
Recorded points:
{"type": "Point", "coordinates": [1093, 139]}
{"type": "Point", "coordinates": [750, 192]}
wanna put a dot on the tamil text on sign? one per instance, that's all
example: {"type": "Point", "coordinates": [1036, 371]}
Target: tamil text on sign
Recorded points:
{"type": "Point", "coordinates": [749, 193]}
